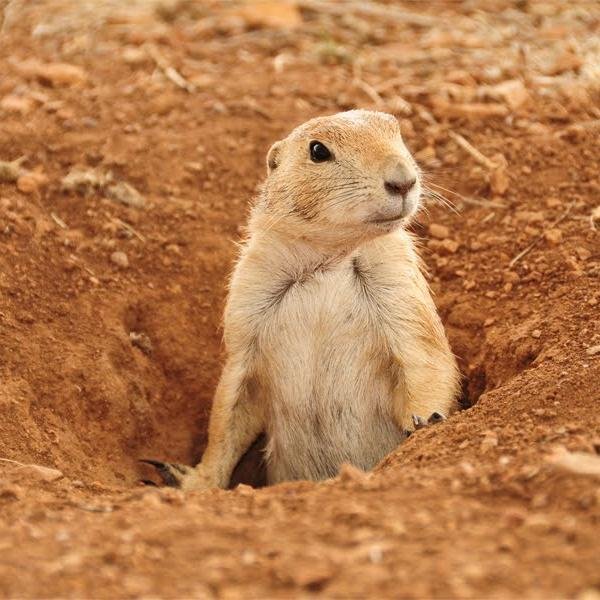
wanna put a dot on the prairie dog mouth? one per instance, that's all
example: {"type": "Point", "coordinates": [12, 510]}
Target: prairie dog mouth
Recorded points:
{"type": "Point", "coordinates": [384, 220]}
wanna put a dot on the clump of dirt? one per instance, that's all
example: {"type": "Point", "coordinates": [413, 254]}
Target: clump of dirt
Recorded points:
{"type": "Point", "coordinates": [112, 293]}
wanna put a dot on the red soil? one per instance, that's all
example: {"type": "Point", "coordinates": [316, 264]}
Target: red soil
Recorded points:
{"type": "Point", "coordinates": [474, 507]}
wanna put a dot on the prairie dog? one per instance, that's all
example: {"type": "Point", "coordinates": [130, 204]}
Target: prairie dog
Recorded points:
{"type": "Point", "coordinates": [334, 346]}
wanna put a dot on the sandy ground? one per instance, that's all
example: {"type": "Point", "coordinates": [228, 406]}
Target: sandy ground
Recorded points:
{"type": "Point", "coordinates": [133, 140]}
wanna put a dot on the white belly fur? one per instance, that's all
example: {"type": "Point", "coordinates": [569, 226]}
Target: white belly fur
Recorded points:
{"type": "Point", "coordinates": [327, 388]}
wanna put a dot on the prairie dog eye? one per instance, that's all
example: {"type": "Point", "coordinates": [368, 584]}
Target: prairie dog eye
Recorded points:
{"type": "Point", "coordinates": [319, 152]}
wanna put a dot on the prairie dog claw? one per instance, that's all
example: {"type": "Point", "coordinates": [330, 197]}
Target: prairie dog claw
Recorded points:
{"type": "Point", "coordinates": [435, 417]}
{"type": "Point", "coordinates": [420, 423]}
{"type": "Point", "coordinates": [172, 474]}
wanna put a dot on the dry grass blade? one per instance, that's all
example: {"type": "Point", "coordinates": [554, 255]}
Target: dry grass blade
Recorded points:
{"type": "Point", "coordinates": [388, 13]}
{"type": "Point", "coordinates": [129, 228]}
{"type": "Point", "coordinates": [470, 149]}
{"type": "Point", "coordinates": [58, 221]}
{"type": "Point", "coordinates": [585, 126]}
{"type": "Point", "coordinates": [39, 471]}
{"type": "Point", "coordinates": [484, 203]}
{"type": "Point", "coordinates": [170, 72]}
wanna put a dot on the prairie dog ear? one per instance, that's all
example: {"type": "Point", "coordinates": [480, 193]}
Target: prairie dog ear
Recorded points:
{"type": "Point", "coordinates": [273, 156]}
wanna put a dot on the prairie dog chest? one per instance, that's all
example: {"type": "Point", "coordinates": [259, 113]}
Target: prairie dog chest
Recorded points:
{"type": "Point", "coordinates": [322, 320]}
{"type": "Point", "coordinates": [326, 377]}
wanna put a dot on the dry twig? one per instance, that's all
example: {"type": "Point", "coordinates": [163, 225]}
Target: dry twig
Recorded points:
{"type": "Point", "coordinates": [590, 126]}
{"type": "Point", "coordinates": [170, 72]}
{"type": "Point", "coordinates": [389, 13]}
{"type": "Point", "coordinates": [470, 149]}
{"type": "Point", "coordinates": [58, 221]}
{"type": "Point", "coordinates": [129, 228]}
{"type": "Point", "coordinates": [485, 203]}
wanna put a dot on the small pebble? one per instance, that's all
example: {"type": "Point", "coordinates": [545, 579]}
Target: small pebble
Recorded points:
{"type": "Point", "coordinates": [553, 236]}
{"type": "Point", "coordinates": [449, 246]}
{"type": "Point", "coordinates": [120, 259]}
{"type": "Point", "coordinates": [43, 473]}
{"type": "Point", "coordinates": [441, 232]}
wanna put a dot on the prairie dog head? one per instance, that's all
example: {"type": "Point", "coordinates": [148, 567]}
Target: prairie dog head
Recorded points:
{"type": "Point", "coordinates": [343, 178]}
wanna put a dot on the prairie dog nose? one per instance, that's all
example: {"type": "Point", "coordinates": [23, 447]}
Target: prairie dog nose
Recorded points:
{"type": "Point", "coordinates": [399, 187]}
{"type": "Point", "coordinates": [398, 177]}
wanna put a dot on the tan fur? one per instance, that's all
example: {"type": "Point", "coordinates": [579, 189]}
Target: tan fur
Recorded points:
{"type": "Point", "coordinates": [333, 340]}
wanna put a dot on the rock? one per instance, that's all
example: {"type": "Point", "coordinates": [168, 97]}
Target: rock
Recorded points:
{"type": "Point", "coordinates": [581, 463]}
{"type": "Point", "coordinates": [553, 236]}
{"type": "Point", "coordinates": [52, 74]}
{"type": "Point", "coordinates": [490, 440]}
{"type": "Point", "coordinates": [499, 180]}
{"type": "Point", "coordinates": [441, 232]}
{"type": "Point", "coordinates": [583, 253]}
{"type": "Point", "coordinates": [17, 104]}
{"type": "Point", "coordinates": [512, 92]}
{"type": "Point", "coordinates": [62, 75]}
{"type": "Point", "coordinates": [529, 216]}
{"type": "Point", "coordinates": [310, 574]}
{"type": "Point", "coordinates": [268, 15]}
{"type": "Point", "coordinates": [163, 103]}
{"type": "Point", "coordinates": [126, 194]}
{"type": "Point", "coordinates": [446, 246]}
{"type": "Point", "coordinates": [84, 181]}
{"type": "Point", "coordinates": [134, 56]}
{"type": "Point", "coordinates": [141, 341]}
{"type": "Point", "coordinates": [536, 333]}
{"type": "Point", "coordinates": [43, 473]}
{"type": "Point", "coordinates": [27, 184]}
{"type": "Point", "coordinates": [7, 491]}
{"type": "Point", "coordinates": [11, 171]}
{"type": "Point", "coordinates": [120, 259]}
{"type": "Point", "coordinates": [449, 246]}
{"type": "Point", "coordinates": [531, 231]}
{"type": "Point", "coordinates": [593, 350]}
{"type": "Point", "coordinates": [30, 183]}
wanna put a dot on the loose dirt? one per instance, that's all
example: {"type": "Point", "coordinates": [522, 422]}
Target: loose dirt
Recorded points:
{"type": "Point", "coordinates": [133, 138]}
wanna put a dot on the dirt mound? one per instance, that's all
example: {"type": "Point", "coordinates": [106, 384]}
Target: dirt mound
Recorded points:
{"type": "Point", "coordinates": [132, 140]}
